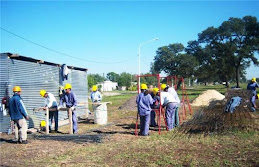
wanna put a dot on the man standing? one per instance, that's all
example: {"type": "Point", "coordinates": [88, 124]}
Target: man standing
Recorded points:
{"type": "Point", "coordinates": [252, 86]}
{"type": "Point", "coordinates": [154, 106]}
{"type": "Point", "coordinates": [18, 114]}
{"type": "Point", "coordinates": [172, 91]}
{"type": "Point", "coordinates": [144, 101]}
{"type": "Point", "coordinates": [95, 95]}
{"type": "Point", "coordinates": [51, 103]}
{"type": "Point", "coordinates": [69, 98]}
{"type": "Point", "coordinates": [169, 101]}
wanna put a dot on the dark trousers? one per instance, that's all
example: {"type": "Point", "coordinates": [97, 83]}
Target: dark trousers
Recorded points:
{"type": "Point", "coordinates": [53, 115]}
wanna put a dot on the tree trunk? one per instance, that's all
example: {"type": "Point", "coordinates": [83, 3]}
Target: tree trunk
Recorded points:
{"type": "Point", "coordinates": [237, 76]}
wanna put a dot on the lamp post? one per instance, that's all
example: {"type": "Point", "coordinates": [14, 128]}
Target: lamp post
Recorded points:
{"type": "Point", "coordinates": [139, 48]}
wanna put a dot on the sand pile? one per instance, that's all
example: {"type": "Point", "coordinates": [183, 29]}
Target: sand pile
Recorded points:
{"type": "Point", "coordinates": [206, 97]}
{"type": "Point", "coordinates": [129, 105]}
{"type": "Point", "coordinates": [215, 119]}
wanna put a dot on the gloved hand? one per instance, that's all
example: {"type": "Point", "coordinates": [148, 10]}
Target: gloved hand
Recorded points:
{"type": "Point", "coordinates": [58, 107]}
{"type": "Point", "coordinates": [72, 108]}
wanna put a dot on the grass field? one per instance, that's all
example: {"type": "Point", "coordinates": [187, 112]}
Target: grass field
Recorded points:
{"type": "Point", "coordinates": [117, 146]}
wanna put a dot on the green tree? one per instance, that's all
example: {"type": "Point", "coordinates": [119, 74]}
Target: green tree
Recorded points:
{"type": "Point", "coordinates": [124, 79]}
{"type": "Point", "coordinates": [233, 43]}
{"type": "Point", "coordinates": [93, 79]}
{"type": "Point", "coordinates": [173, 61]}
{"type": "Point", "coordinates": [112, 76]}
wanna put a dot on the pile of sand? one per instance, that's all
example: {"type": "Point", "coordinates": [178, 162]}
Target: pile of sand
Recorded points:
{"type": "Point", "coordinates": [215, 119]}
{"type": "Point", "coordinates": [206, 97]}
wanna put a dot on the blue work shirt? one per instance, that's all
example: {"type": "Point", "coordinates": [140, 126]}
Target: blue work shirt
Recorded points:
{"type": "Point", "coordinates": [17, 109]}
{"type": "Point", "coordinates": [252, 86]}
{"type": "Point", "coordinates": [144, 102]}
{"type": "Point", "coordinates": [70, 100]}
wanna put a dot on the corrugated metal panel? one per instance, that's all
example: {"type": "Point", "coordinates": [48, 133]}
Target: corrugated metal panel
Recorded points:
{"type": "Point", "coordinates": [78, 80]}
{"type": "Point", "coordinates": [4, 120]}
{"type": "Point", "coordinates": [32, 77]}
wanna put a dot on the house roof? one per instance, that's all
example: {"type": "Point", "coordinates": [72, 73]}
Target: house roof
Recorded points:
{"type": "Point", "coordinates": [29, 59]}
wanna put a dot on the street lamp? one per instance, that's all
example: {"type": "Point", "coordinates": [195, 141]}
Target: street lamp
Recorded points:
{"type": "Point", "coordinates": [140, 45]}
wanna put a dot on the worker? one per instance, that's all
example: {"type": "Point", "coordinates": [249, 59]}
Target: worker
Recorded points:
{"type": "Point", "coordinates": [154, 107]}
{"type": "Point", "coordinates": [51, 103]}
{"type": "Point", "coordinates": [172, 91]}
{"type": "Point", "coordinates": [171, 103]}
{"type": "Point", "coordinates": [144, 102]}
{"type": "Point", "coordinates": [252, 86]}
{"type": "Point", "coordinates": [69, 98]}
{"type": "Point", "coordinates": [18, 115]}
{"type": "Point", "coordinates": [95, 95]}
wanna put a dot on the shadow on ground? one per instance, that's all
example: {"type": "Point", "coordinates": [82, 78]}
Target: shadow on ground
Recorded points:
{"type": "Point", "coordinates": [79, 139]}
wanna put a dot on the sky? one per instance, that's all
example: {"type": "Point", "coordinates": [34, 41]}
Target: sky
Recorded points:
{"type": "Point", "coordinates": [104, 36]}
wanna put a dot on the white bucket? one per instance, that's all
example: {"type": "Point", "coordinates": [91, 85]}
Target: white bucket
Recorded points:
{"type": "Point", "coordinates": [100, 114]}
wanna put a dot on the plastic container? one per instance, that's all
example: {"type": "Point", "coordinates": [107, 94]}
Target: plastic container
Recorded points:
{"type": "Point", "coordinates": [100, 113]}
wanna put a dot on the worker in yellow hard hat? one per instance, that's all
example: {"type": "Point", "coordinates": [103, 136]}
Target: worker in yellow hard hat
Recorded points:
{"type": "Point", "coordinates": [144, 102]}
{"type": "Point", "coordinates": [96, 96]}
{"type": "Point", "coordinates": [51, 103]}
{"type": "Point", "coordinates": [172, 106]}
{"type": "Point", "coordinates": [154, 107]}
{"type": "Point", "coordinates": [70, 101]}
{"type": "Point", "coordinates": [18, 115]}
{"type": "Point", "coordinates": [252, 87]}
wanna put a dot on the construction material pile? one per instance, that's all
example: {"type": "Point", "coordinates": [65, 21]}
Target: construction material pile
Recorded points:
{"type": "Point", "coordinates": [129, 105]}
{"type": "Point", "coordinates": [206, 97]}
{"type": "Point", "coordinates": [214, 118]}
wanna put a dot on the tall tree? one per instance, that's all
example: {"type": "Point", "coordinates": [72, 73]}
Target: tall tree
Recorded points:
{"type": "Point", "coordinates": [172, 60]}
{"type": "Point", "coordinates": [234, 43]}
{"type": "Point", "coordinates": [124, 79]}
{"type": "Point", "coordinates": [112, 76]}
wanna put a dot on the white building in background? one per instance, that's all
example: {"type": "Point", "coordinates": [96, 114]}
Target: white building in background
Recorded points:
{"type": "Point", "coordinates": [107, 86]}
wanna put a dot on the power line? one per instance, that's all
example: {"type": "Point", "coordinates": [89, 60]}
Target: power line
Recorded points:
{"type": "Point", "coordinates": [64, 54]}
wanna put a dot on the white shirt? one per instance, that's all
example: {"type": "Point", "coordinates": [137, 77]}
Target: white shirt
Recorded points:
{"type": "Point", "coordinates": [166, 98]}
{"type": "Point", "coordinates": [96, 96]}
{"type": "Point", "coordinates": [50, 101]}
{"type": "Point", "coordinates": [174, 93]}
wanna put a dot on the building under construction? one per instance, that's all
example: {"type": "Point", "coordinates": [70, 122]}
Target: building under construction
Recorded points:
{"type": "Point", "coordinates": [32, 75]}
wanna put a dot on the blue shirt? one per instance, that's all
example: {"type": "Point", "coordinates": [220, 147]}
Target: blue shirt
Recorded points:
{"type": "Point", "coordinates": [252, 86]}
{"type": "Point", "coordinates": [17, 109]}
{"type": "Point", "coordinates": [96, 96]}
{"type": "Point", "coordinates": [70, 100]}
{"type": "Point", "coordinates": [144, 102]}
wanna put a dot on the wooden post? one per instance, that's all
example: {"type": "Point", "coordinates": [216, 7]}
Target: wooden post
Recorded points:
{"type": "Point", "coordinates": [86, 110]}
{"type": "Point", "coordinates": [70, 121]}
{"type": "Point", "coordinates": [47, 120]}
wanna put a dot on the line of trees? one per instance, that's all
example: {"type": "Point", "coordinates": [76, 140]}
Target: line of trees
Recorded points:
{"type": "Point", "coordinates": [219, 54]}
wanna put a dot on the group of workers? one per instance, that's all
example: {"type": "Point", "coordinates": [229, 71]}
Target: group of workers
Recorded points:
{"type": "Point", "coordinates": [19, 115]}
{"type": "Point", "coordinates": [147, 104]}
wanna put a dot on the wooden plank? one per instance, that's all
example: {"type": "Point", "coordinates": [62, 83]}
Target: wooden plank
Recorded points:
{"type": "Point", "coordinates": [47, 121]}
{"type": "Point", "coordinates": [70, 121]}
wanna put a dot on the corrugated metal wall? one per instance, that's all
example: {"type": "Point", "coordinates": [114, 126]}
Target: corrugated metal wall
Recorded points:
{"type": "Point", "coordinates": [4, 121]}
{"type": "Point", "coordinates": [32, 77]}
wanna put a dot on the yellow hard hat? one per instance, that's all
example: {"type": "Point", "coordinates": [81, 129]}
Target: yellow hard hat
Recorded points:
{"type": "Point", "coordinates": [94, 88]}
{"type": "Point", "coordinates": [42, 93]}
{"type": "Point", "coordinates": [258, 96]}
{"type": "Point", "coordinates": [17, 89]}
{"type": "Point", "coordinates": [68, 86]}
{"type": "Point", "coordinates": [42, 123]}
{"type": "Point", "coordinates": [155, 90]}
{"type": "Point", "coordinates": [253, 79]}
{"type": "Point", "coordinates": [163, 86]}
{"type": "Point", "coordinates": [143, 86]}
